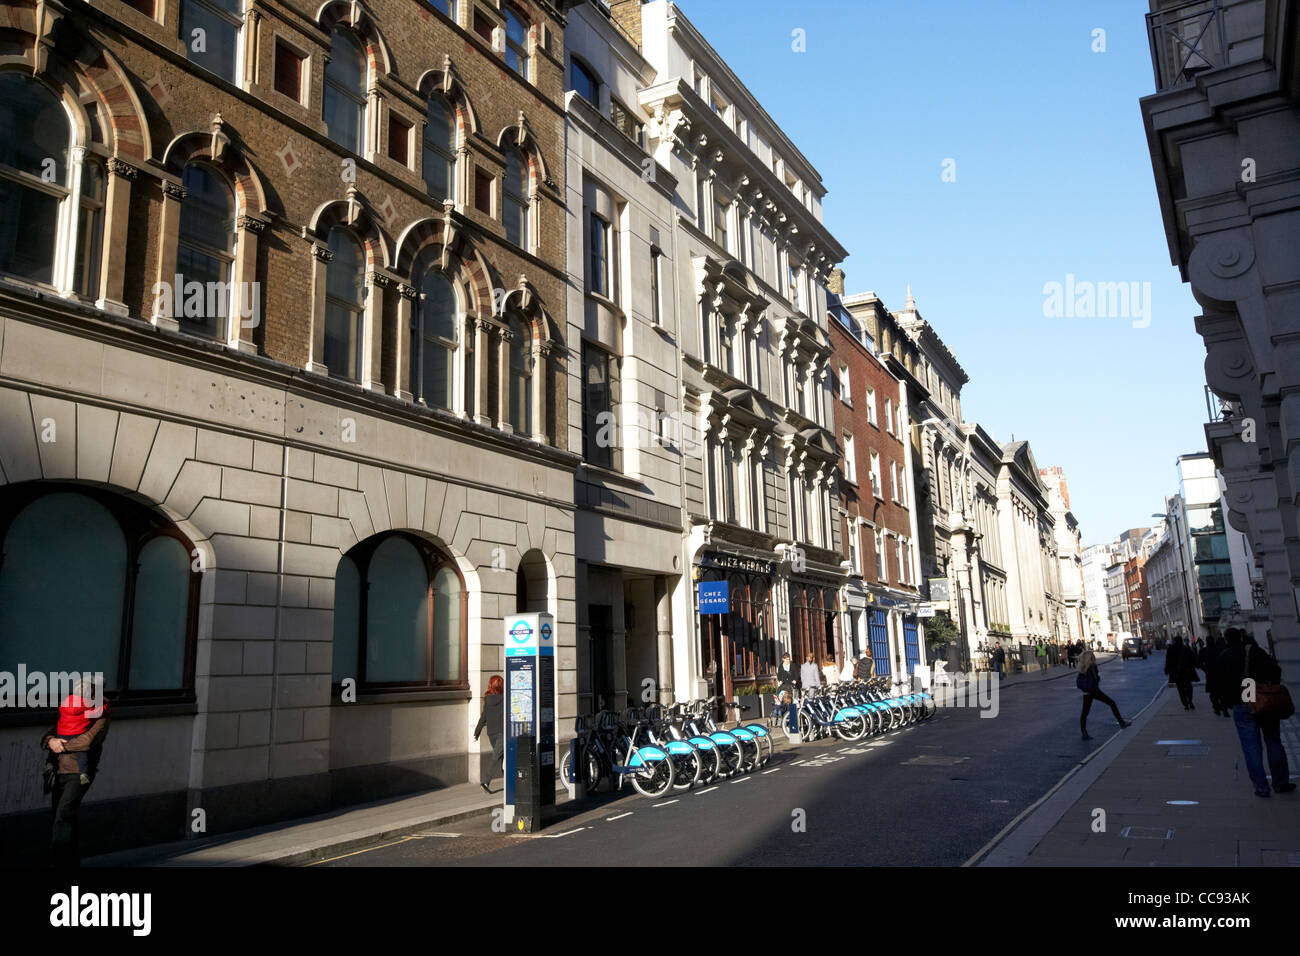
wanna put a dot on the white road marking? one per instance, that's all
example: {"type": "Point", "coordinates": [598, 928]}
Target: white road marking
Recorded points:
{"type": "Point", "coordinates": [740, 780]}
{"type": "Point", "coordinates": [773, 770]}
{"type": "Point", "coordinates": [448, 836]}
{"type": "Point", "coordinates": [666, 803]}
{"type": "Point", "coordinates": [619, 817]}
{"type": "Point", "coordinates": [703, 792]}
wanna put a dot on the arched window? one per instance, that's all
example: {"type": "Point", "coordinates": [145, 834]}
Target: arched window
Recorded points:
{"type": "Point", "coordinates": [399, 616]}
{"type": "Point", "coordinates": [345, 277]}
{"type": "Point", "coordinates": [205, 254]}
{"type": "Point", "coordinates": [520, 413]}
{"type": "Point", "coordinates": [433, 342]}
{"type": "Point", "coordinates": [515, 191]}
{"type": "Point", "coordinates": [35, 143]}
{"type": "Point", "coordinates": [440, 150]}
{"type": "Point", "coordinates": [584, 82]}
{"type": "Point", "coordinates": [516, 43]}
{"type": "Point", "coordinates": [92, 582]}
{"type": "Point", "coordinates": [345, 90]}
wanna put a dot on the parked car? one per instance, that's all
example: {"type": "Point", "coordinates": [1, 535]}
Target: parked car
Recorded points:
{"type": "Point", "coordinates": [1134, 648]}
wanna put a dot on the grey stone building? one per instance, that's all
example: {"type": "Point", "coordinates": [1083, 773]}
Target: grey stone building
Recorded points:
{"type": "Point", "coordinates": [1223, 126]}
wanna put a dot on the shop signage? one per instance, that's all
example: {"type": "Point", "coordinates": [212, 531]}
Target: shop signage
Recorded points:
{"type": "Point", "coordinates": [939, 589]}
{"type": "Point", "coordinates": [713, 597]}
{"type": "Point", "coordinates": [734, 562]}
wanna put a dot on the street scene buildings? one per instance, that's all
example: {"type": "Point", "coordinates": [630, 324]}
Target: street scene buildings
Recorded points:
{"type": "Point", "coordinates": [335, 336]}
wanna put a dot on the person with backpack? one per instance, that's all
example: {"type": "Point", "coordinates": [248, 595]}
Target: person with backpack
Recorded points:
{"type": "Point", "coordinates": [1248, 679]}
{"type": "Point", "coordinates": [866, 667]}
{"type": "Point", "coordinates": [1089, 681]}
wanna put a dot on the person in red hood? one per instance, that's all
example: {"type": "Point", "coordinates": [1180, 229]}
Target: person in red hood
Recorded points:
{"type": "Point", "coordinates": [75, 716]}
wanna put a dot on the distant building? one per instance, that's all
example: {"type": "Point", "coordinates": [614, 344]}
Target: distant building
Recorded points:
{"type": "Point", "coordinates": [1068, 552]}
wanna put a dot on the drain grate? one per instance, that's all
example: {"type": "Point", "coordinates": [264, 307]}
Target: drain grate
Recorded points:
{"type": "Point", "coordinates": [1147, 833]}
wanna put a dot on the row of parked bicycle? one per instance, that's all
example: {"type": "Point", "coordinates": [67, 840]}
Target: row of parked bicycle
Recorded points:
{"type": "Point", "coordinates": [660, 750]}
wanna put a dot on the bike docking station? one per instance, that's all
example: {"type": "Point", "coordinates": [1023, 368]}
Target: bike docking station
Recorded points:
{"type": "Point", "coordinates": [529, 793]}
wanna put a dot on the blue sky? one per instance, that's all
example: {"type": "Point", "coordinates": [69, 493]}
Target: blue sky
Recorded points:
{"type": "Point", "coordinates": [1053, 177]}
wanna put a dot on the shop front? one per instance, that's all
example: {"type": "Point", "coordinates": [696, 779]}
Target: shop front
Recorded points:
{"type": "Point", "coordinates": [738, 648]}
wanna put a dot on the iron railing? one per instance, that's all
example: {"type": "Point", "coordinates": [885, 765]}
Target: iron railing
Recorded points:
{"type": "Point", "coordinates": [1186, 39]}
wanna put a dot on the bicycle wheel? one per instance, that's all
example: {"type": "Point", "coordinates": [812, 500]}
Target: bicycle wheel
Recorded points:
{"type": "Point", "coordinates": [686, 770]}
{"type": "Point", "coordinates": [765, 741]}
{"type": "Point", "coordinates": [733, 759]}
{"type": "Point", "coordinates": [851, 728]}
{"type": "Point", "coordinates": [654, 779]}
{"type": "Point", "coordinates": [751, 753]}
{"type": "Point", "coordinates": [805, 727]}
{"type": "Point", "coordinates": [712, 760]}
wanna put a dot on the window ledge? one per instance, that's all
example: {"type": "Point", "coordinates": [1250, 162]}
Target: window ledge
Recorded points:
{"type": "Point", "coordinates": [449, 695]}
{"type": "Point", "coordinates": [612, 475]}
{"type": "Point", "coordinates": [44, 717]}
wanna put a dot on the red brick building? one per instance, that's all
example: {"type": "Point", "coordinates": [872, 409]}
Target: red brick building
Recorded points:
{"type": "Point", "coordinates": [875, 497]}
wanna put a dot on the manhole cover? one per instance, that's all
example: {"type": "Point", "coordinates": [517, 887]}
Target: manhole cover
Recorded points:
{"type": "Point", "coordinates": [934, 760]}
{"type": "Point", "coordinates": [1147, 833]}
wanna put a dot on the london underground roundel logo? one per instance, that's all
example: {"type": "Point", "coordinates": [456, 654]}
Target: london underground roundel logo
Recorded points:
{"type": "Point", "coordinates": [546, 632]}
{"type": "Point", "coordinates": [521, 632]}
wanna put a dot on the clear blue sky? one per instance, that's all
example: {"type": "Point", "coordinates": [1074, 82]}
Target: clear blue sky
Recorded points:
{"type": "Point", "coordinates": [1053, 176]}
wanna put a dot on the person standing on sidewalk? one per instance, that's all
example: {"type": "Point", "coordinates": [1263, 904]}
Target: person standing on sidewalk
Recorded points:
{"type": "Point", "coordinates": [1242, 659]}
{"type": "Point", "coordinates": [787, 678]}
{"type": "Point", "coordinates": [1180, 665]}
{"type": "Point", "coordinates": [494, 719]}
{"type": "Point", "coordinates": [998, 660]}
{"type": "Point", "coordinates": [808, 673]}
{"type": "Point", "coordinates": [830, 672]}
{"type": "Point", "coordinates": [1042, 655]}
{"type": "Point", "coordinates": [67, 788]}
{"type": "Point", "coordinates": [1089, 681]}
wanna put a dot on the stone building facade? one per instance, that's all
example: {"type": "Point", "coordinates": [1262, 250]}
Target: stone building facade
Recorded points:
{"type": "Point", "coordinates": [1223, 126]}
{"type": "Point", "coordinates": [752, 258]}
{"type": "Point", "coordinates": [283, 501]}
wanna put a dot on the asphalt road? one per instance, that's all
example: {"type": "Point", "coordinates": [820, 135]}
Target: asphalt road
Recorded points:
{"type": "Point", "coordinates": [928, 795]}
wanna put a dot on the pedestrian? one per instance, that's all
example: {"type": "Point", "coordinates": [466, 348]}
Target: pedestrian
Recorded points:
{"type": "Point", "coordinates": [1071, 654]}
{"type": "Point", "coordinates": [1240, 660]}
{"type": "Point", "coordinates": [787, 678]}
{"type": "Point", "coordinates": [1220, 701]}
{"type": "Point", "coordinates": [1042, 655]}
{"type": "Point", "coordinates": [999, 660]}
{"type": "Point", "coordinates": [1089, 681]}
{"type": "Point", "coordinates": [1180, 665]}
{"type": "Point", "coordinates": [808, 673]}
{"type": "Point", "coordinates": [850, 670]}
{"type": "Point", "coordinates": [67, 778]}
{"type": "Point", "coordinates": [493, 718]}
{"type": "Point", "coordinates": [865, 669]}
{"type": "Point", "coordinates": [830, 671]}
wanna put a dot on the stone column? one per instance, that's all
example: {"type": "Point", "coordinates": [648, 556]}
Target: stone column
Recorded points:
{"type": "Point", "coordinates": [320, 257]}
{"type": "Point", "coordinates": [247, 290]}
{"type": "Point", "coordinates": [65, 257]}
{"type": "Point", "coordinates": [169, 234]}
{"type": "Point", "coordinates": [664, 631]}
{"type": "Point", "coordinates": [538, 383]}
{"type": "Point", "coordinates": [405, 310]}
{"type": "Point", "coordinates": [504, 338]}
{"type": "Point", "coordinates": [117, 212]}
{"type": "Point", "coordinates": [372, 347]}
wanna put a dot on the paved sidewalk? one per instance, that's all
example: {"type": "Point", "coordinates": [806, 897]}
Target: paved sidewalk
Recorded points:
{"type": "Point", "coordinates": [1174, 793]}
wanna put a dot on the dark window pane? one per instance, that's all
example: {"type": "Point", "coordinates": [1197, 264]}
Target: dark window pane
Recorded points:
{"type": "Point", "coordinates": [447, 664]}
{"type": "Point", "coordinates": [35, 131]}
{"type": "Point", "coordinates": [28, 232]}
{"type": "Point", "coordinates": [397, 614]}
{"type": "Point", "coordinates": [288, 72]}
{"type": "Point", "coordinates": [211, 40]}
{"type": "Point", "coordinates": [347, 619]}
{"type": "Point", "coordinates": [162, 600]}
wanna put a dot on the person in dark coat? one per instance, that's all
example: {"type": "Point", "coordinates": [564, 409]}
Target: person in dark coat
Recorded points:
{"type": "Point", "coordinates": [865, 668]}
{"type": "Point", "coordinates": [1205, 661]}
{"type": "Point", "coordinates": [1090, 683]}
{"type": "Point", "coordinates": [1180, 665]}
{"type": "Point", "coordinates": [787, 678]}
{"type": "Point", "coordinates": [494, 719]}
{"type": "Point", "coordinates": [1242, 658]}
{"type": "Point", "coordinates": [68, 788]}
{"type": "Point", "coordinates": [998, 660]}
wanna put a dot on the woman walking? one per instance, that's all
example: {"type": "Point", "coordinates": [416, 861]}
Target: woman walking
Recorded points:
{"type": "Point", "coordinates": [1089, 681]}
{"type": "Point", "coordinates": [494, 719]}
{"type": "Point", "coordinates": [1180, 665]}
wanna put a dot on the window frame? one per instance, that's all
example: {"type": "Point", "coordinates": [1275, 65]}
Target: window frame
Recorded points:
{"type": "Point", "coordinates": [140, 525]}
{"type": "Point", "coordinates": [447, 154]}
{"type": "Point", "coordinates": [434, 560]}
{"type": "Point", "coordinates": [235, 20]}
{"type": "Point", "coordinates": [361, 101]}
{"type": "Point", "coordinates": [510, 199]}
